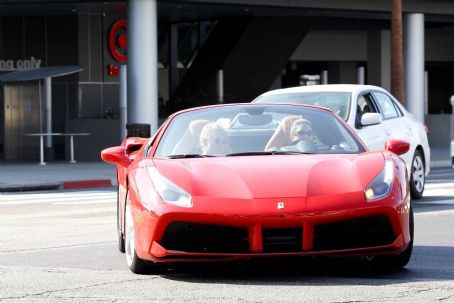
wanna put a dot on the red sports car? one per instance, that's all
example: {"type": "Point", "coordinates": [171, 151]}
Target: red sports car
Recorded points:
{"type": "Point", "coordinates": [239, 181]}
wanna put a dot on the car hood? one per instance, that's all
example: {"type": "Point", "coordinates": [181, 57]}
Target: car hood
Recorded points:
{"type": "Point", "coordinates": [272, 176]}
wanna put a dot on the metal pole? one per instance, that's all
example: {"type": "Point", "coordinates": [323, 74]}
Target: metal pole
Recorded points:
{"type": "Point", "coordinates": [123, 101]}
{"type": "Point", "coordinates": [40, 107]}
{"type": "Point", "coordinates": [72, 149]}
{"type": "Point", "coordinates": [361, 75]}
{"type": "Point", "coordinates": [143, 63]}
{"type": "Point", "coordinates": [41, 150]}
{"type": "Point", "coordinates": [220, 85]}
{"type": "Point", "coordinates": [414, 64]}
{"type": "Point", "coordinates": [324, 77]}
{"type": "Point", "coordinates": [48, 109]}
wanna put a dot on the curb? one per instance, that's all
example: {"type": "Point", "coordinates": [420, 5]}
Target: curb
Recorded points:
{"type": "Point", "coordinates": [82, 184]}
{"type": "Point", "coordinates": [87, 184]}
{"type": "Point", "coordinates": [28, 187]}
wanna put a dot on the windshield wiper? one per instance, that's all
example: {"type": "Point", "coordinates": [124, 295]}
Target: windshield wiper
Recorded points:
{"type": "Point", "coordinates": [259, 153]}
{"type": "Point", "coordinates": [188, 156]}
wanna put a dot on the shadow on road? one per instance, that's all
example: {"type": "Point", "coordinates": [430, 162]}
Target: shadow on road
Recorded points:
{"type": "Point", "coordinates": [428, 263]}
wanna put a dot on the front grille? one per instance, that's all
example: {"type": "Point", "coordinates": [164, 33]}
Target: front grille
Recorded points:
{"type": "Point", "coordinates": [282, 240]}
{"type": "Point", "coordinates": [356, 233]}
{"type": "Point", "coordinates": [205, 238]}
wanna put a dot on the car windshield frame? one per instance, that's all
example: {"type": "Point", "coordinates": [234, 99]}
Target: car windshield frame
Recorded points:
{"type": "Point", "coordinates": [269, 98]}
{"type": "Point", "coordinates": [266, 129]}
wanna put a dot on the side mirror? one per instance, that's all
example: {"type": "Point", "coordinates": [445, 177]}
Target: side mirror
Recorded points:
{"type": "Point", "coordinates": [399, 147]}
{"type": "Point", "coordinates": [371, 119]}
{"type": "Point", "coordinates": [116, 155]}
{"type": "Point", "coordinates": [133, 143]}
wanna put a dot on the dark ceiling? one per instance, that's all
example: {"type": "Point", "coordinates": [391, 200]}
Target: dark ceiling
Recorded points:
{"type": "Point", "coordinates": [183, 11]}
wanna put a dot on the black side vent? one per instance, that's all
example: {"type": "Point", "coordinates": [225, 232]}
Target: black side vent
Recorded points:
{"type": "Point", "coordinates": [204, 238]}
{"type": "Point", "coordinates": [356, 233]}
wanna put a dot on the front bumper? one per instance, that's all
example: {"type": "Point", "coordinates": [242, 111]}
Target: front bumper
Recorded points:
{"type": "Point", "coordinates": [185, 237]}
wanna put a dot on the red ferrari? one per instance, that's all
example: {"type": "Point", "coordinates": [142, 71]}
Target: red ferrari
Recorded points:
{"type": "Point", "coordinates": [240, 181]}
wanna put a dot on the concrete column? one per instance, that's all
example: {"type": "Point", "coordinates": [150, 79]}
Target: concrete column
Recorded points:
{"type": "Point", "coordinates": [143, 63]}
{"type": "Point", "coordinates": [48, 110]}
{"type": "Point", "coordinates": [379, 59]}
{"type": "Point", "coordinates": [414, 64]}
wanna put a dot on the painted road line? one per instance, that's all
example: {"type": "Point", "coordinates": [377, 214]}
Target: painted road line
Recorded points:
{"type": "Point", "coordinates": [437, 202]}
{"type": "Point", "coordinates": [84, 202]}
{"type": "Point", "coordinates": [50, 195]}
{"type": "Point", "coordinates": [87, 199]}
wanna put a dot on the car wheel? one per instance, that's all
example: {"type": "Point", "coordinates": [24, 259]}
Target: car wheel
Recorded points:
{"type": "Point", "coordinates": [417, 178]}
{"type": "Point", "coordinates": [135, 264]}
{"type": "Point", "coordinates": [393, 262]}
{"type": "Point", "coordinates": [121, 241]}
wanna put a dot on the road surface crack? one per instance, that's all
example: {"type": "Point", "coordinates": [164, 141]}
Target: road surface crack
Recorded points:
{"type": "Point", "coordinates": [25, 296]}
{"type": "Point", "coordinates": [55, 247]}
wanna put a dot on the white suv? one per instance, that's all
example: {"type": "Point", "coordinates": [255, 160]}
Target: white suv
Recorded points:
{"type": "Point", "coordinates": [375, 115]}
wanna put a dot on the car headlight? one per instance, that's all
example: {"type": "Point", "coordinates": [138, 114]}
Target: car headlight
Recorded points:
{"type": "Point", "coordinates": [381, 186]}
{"type": "Point", "coordinates": [169, 191]}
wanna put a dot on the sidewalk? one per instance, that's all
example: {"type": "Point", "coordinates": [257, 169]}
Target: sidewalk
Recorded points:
{"type": "Point", "coordinates": [26, 176]}
{"type": "Point", "coordinates": [440, 157]}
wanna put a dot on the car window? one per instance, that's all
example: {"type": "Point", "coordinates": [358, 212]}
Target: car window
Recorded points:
{"type": "Point", "coordinates": [253, 128]}
{"type": "Point", "coordinates": [364, 105]}
{"type": "Point", "coordinates": [338, 102]}
{"type": "Point", "coordinates": [387, 106]}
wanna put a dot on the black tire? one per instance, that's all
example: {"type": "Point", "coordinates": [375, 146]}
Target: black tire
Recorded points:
{"type": "Point", "coordinates": [135, 264]}
{"type": "Point", "coordinates": [393, 262]}
{"type": "Point", "coordinates": [417, 164]}
{"type": "Point", "coordinates": [121, 240]}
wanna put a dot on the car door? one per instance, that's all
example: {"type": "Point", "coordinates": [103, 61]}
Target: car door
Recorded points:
{"type": "Point", "coordinates": [373, 136]}
{"type": "Point", "coordinates": [393, 118]}
{"type": "Point", "coordinates": [396, 125]}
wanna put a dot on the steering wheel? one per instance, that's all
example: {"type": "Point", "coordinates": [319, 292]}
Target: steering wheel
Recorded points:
{"type": "Point", "coordinates": [304, 146]}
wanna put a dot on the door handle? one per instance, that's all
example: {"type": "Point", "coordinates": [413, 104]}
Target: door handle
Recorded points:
{"type": "Point", "coordinates": [409, 127]}
{"type": "Point", "coordinates": [387, 132]}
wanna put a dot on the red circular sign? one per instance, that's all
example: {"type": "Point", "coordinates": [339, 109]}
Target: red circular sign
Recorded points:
{"type": "Point", "coordinates": [117, 41]}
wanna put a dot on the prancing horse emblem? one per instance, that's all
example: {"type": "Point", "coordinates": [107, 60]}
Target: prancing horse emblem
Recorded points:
{"type": "Point", "coordinates": [280, 205]}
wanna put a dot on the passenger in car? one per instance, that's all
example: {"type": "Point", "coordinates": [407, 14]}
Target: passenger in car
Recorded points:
{"type": "Point", "coordinates": [281, 136]}
{"type": "Point", "coordinates": [302, 130]}
{"type": "Point", "coordinates": [214, 140]}
{"type": "Point", "coordinates": [291, 130]}
{"type": "Point", "coordinates": [189, 142]}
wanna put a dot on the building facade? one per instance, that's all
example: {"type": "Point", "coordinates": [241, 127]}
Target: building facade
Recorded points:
{"type": "Point", "coordinates": [249, 46]}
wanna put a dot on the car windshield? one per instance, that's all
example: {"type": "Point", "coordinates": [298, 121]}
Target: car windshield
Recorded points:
{"type": "Point", "coordinates": [253, 129]}
{"type": "Point", "coordinates": [338, 102]}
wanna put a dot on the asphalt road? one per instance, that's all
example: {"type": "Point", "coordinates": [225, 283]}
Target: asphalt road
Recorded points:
{"type": "Point", "coordinates": [61, 247]}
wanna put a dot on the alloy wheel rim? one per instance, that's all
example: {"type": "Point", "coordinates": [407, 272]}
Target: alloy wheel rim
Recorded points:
{"type": "Point", "coordinates": [418, 173]}
{"type": "Point", "coordinates": [130, 241]}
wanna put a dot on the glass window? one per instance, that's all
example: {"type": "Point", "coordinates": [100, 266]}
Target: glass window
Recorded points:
{"type": "Point", "coordinates": [254, 128]}
{"type": "Point", "coordinates": [364, 105]}
{"type": "Point", "coordinates": [387, 107]}
{"type": "Point", "coordinates": [338, 102]}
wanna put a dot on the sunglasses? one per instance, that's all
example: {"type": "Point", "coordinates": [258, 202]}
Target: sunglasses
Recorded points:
{"type": "Point", "coordinates": [303, 132]}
